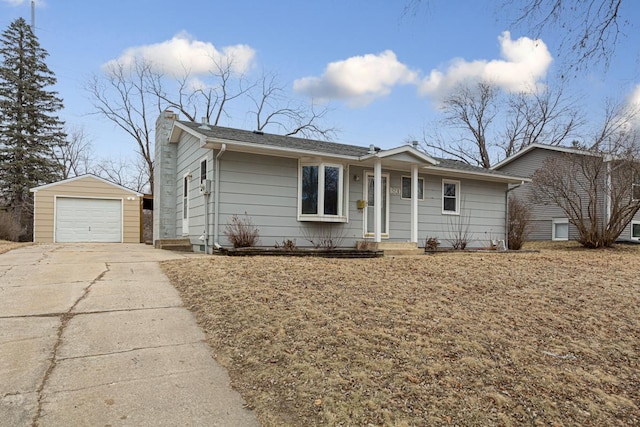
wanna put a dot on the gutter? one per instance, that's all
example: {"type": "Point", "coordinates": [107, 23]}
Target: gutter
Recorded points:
{"type": "Point", "coordinates": [216, 197]}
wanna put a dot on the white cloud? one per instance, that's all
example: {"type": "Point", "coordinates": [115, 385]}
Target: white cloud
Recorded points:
{"type": "Point", "coordinates": [523, 66]}
{"type": "Point", "coordinates": [634, 99]}
{"type": "Point", "coordinates": [357, 80]}
{"type": "Point", "coordinates": [184, 53]}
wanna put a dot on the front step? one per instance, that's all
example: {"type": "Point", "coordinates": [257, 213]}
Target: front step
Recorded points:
{"type": "Point", "coordinates": [391, 248]}
{"type": "Point", "coordinates": [178, 245]}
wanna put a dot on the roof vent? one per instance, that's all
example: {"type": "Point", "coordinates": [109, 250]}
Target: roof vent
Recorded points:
{"type": "Point", "coordinates": [258, 132]}
{"type": "Point", "coordinates": [414, 143]}
{"type": "Point", "coordinates": [205, 124]}
{"type": "Point", "coordinates": [372, 149]}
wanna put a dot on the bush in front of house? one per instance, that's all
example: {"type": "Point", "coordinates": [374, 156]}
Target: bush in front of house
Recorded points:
{"type": "Point", "coordinates": [9, 228]}
{"type": "Point", "coordinates": [519, 219]}
{"type": "Point", "coordinates": [241, 232]}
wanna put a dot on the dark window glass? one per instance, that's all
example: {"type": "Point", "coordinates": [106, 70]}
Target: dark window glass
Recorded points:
{"type": "Point", "coordinates": [309, 190]}
{"type": "Point", "coordinates": [406, 188]}
{"type": "Point", "coordinates": [331, 184]}
{"type": "Point", "coordinates": [203, 171]}
{"type": "Point", "coordinates": [449, 194]}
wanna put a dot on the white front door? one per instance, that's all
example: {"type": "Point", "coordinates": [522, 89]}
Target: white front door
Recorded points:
{"type": "Point", "coordinates": [185, 204]}
{"type": "Point", "coordinates": [369, 196]}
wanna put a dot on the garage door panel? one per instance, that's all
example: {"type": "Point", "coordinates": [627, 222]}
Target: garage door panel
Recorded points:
{"type": "Point", "coordinates": [88, 220]}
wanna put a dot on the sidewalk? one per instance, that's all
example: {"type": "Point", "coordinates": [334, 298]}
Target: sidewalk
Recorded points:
{"type": "Point", "coordinates": [94, 334]}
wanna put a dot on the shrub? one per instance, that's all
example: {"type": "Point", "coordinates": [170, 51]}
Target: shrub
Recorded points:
{"type": "Point", "coordinates": [241, 232]}
{"type": "Point", "coordinates": [9, 228]}
{"type": "Point", "coordinates": [287, 245]}
{"type": "Point", "coordinates": [326, 236]}
{"type": "Point", "coordinates": [519, 218]}
{"type": "Point", "coordinates": [431, 243]}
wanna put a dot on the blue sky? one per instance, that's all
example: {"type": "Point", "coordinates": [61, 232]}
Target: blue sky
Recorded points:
{"type": "Point", "coordinates": [380, 71]}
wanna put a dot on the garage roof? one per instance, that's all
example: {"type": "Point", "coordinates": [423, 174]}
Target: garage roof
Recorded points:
{"type": "Point", "coordinates": [79, 177]}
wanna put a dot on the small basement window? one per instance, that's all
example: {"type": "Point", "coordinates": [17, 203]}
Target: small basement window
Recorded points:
{"type": "Point", "coordinates": [560, 229]}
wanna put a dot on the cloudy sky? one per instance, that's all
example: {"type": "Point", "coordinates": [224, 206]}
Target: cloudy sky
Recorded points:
{"type": "Point", "coordinates": [380, 71]}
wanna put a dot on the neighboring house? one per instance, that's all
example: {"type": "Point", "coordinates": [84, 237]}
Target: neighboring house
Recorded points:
{"type": "Point", "coordinates": [303, 190]}
{"type": "Point", "coordinates": [548, 221]}
{"type": "Point", "coordinates": [86, 208]}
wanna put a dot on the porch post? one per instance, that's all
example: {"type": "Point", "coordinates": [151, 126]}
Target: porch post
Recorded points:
{"type": "Point", "coordinates": [377, 189]}
{"type": "Point", "coordinates": [414, 203]}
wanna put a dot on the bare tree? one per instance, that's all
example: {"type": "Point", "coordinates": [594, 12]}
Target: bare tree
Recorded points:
{"type": "Point", "coordinates": [129, 174]}
{"type": "Point", "coordinates": [274, 108]}
{"type": "Point", "coordinates": [75, 156]}
{"type": "Point", "coordinates": [122, 96]}
{"type": "Point", "coordinates": [196, 99]}
{"type": "Point", "coordinates": [488, 123]}
{"type": "Point", "coordinates": [590, 29]}
{"type": "Point", "coordinates": [471, 110]}
{"type": "Point", "coordinates": [594, 185]}
{"type": "Point", "coordinates": [546, 116]}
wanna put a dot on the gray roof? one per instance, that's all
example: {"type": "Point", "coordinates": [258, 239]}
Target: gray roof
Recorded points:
{"type": "Point", "coordinates": [272, 140]}
{"type": "Point", "coordinates": [330, 148]}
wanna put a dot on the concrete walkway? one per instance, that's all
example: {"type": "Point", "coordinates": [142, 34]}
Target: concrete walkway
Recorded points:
{"type": "Point", "coordinates": [95, 335]}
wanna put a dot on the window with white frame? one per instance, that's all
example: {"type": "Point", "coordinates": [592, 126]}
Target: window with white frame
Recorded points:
{"type": "Point", "coordinates": [321, 192]}
{"type": "Point", "coordinates": [635, 230]}
{"type": "Point", "coordinates": [406, 188]}
{"type": "Point", "coordinates": [203, 170]}
{"type": "Point", "coordinates": [450, 196]}
{"type": "Point", "coordinates": [560, 229]}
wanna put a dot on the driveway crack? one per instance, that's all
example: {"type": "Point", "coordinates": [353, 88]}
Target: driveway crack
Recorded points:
{"type": "Point", "coordinates": [64, 321]}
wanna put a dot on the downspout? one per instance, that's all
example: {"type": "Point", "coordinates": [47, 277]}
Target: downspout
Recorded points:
{"type": "Point", "coordinates": [205, 234]}
{"type": "Point", "coordinates": [216, 197]}
{"type": "Point", "coordinates": [506, 214]}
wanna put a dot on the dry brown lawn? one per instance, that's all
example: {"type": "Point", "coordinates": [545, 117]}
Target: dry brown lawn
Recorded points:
{"type": "Point", "coordinates": [6, 246]}
{"type": "Point", "coordinates": [467, 339]}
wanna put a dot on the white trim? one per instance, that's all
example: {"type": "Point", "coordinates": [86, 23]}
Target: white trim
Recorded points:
{"type": "Point", "coordinates": [79, 177]}
{"type": "Point", "coordinates": [399, 150]}
{"type": "Point", "coordinates": [457, 199]}
{"type": "Point", "coordinates": [365, 195]}
{"type": "Point", "coordinates": [342, 194]}
{"type": "Point", "coordinates": [409, 178]}
{"type": "Point", "coordinates": [63, 196]}
{"type": "Point", "coordinates": [186, 203]}
{"type": "Point", "coordinates": [556, 221]}
{"type": "Point", "coordinates": [631, 230]}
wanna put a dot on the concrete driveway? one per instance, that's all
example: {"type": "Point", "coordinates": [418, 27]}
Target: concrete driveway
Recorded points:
{"type": "Point", "coordinates": [95, 335]}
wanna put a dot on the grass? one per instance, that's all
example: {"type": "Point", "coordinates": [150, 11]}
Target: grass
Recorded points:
{"type": "Point", "coordinates": [6, 246]}
{"type": "Point", "coordinates": [468, 339]}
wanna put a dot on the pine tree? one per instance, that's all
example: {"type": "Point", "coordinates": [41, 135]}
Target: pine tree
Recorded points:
{"type": "Point", "coordinates": [30, 130]}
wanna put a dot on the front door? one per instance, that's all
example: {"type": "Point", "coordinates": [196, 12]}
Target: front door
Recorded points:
{"type": "Point", "coordinates": [369, 195]}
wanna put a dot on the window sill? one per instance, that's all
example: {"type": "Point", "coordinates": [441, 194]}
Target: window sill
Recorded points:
{"type": "Point", "coordinates": [450, 213]}
{"type": "Point", "coordinates": [322, 218]}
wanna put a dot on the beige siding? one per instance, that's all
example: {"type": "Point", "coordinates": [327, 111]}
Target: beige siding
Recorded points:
{"type": "Point", "coordinates": [90, 187]}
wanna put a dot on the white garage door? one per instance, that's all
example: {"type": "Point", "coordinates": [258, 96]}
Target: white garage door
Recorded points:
{"type": "Point", "coordinates": [88, 220]}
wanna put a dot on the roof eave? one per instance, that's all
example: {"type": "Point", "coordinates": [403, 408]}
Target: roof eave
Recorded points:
{"type": "Point", "coordinates": [484, 176]}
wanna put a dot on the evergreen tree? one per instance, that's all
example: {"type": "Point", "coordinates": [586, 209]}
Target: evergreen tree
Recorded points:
{"type": "Point", "coordinates": [30, 130]}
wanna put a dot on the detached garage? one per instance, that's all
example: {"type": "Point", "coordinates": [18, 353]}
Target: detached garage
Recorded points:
{"type": "Point", "coordinates": [86, 208]}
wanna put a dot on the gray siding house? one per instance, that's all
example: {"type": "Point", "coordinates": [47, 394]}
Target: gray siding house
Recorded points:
{"type": "Point", "coordinates": [549, 222]}
{"type": "Point", "coordinates": [301, 189]}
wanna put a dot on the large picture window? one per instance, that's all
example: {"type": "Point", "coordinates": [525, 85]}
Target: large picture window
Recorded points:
{"type": "Point", "coordinates": [321, 192]}
{"type": "Point", "coordinates": [406, 188]}
{"type": "Point", "coordinates": [450, 197]}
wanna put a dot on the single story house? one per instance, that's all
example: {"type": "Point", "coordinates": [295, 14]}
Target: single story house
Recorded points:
{"type": "Point", "coordinates": [305, 190]}
{"type": "Point", "coordinates": [86, 208]}
{"type": "Point", "coordinates": [549, 221]}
